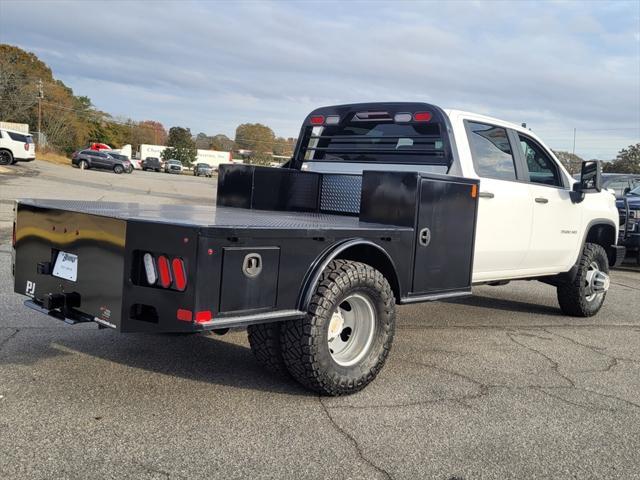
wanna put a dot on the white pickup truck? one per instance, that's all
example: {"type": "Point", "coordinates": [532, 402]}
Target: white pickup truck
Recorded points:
{"type": "Point", "coordinates": [531, 222]}
{"type": "Point", "coordinates": [381, 204]}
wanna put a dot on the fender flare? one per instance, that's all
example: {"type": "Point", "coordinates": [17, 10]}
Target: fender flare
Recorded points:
{"type": "Point", "coordinates": [570, 275]}
{"type": "Point", "coordinates": [312, 277]}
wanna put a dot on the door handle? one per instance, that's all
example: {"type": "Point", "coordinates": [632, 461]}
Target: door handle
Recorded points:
{"type": "Point", "coordinates": [542, 200]}
{"type": "Point", "coordinates": [486, 195]}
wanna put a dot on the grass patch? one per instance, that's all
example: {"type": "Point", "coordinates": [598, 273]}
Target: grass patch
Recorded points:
{"type": "Point", "coordinates": [52, 156]}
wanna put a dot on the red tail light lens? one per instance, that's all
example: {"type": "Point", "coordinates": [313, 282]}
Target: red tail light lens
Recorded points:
{"type": "Point", "coordinates": [179, 274]}
{"type": "Point", "coordinates": [204, 316]}
{"type": "Point", "coordinates": [317, 120]}
{"type": "Point", "coordinates": [26, 147]}
{"type": "Point", "coordinates": [184, 315]}
{"type": "Point", "coordinates": [164, 273]}
{"type": "Point", "coordinates": [422, 116]}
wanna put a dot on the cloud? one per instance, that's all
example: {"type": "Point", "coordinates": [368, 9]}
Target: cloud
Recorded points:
{"type": "Point", "coordinates": [213, 65]}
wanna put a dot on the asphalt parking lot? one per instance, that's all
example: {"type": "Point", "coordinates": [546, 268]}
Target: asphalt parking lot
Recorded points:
{"type": "Point", "coordinates": [498, 385]}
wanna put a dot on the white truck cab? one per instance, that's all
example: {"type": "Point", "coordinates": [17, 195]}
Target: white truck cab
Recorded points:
{"type": "Point", "coordinates": [528, 224]}
{"type": "Point", "coordinates": [531, 223]}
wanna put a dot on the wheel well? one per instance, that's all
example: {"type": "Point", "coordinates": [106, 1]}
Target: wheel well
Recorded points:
{"type": "Point", "coordinates": [376, 258]}
{"type": "Point", "coordinates": [603, 234]}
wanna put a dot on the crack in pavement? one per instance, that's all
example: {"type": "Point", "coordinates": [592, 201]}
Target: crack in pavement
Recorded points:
{"type": "Point", "coordinates": [555, 366]}
{"type": "Point", "coordinates": [5, 340]}
{"type": "Point", "coordinates": [353, 441]}
{"type": "Point", "coordinates": [626, 286]}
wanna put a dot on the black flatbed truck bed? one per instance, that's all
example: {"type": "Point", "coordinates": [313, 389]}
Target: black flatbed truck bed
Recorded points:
{"type": "Point", "coordinates": [292, 246]}
{"type": "Point", "coordinates": [278, 245]}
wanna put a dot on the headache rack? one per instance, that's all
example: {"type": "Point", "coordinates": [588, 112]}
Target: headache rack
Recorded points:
{"type": "Point", "coordinates": [405, 133]}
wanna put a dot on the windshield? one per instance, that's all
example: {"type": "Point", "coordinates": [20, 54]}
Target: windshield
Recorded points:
{"type": "Point", "coordinates": [635, 191]}
{"type": "Point", "coordinates": [174, 162]}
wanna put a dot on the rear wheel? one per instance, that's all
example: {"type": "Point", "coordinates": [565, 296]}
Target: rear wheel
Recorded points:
{"type": "Point", "coordinates": [118, 169]}
{"type": "Point", "coordinates": [343, 342]}
{"type": "Point", "coordinates": [584, 296]}
{"type": "Point", "coordinates": [6, 157]}
{"type": "Point", "coordinates": [264, 339]}
{"type": "Point", "coordinates": [129, 169]}
{"type": "Point", "coordinates": [83, 165]}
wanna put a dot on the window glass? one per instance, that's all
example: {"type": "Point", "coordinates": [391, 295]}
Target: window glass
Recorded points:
{"type": "Point", "coordinates": [377, 142]}
{"type": "Point", "coordinates": [491, 151]}
{"type": "Point", "coordinates": [542, 169]}
{"type": "Point", "coordinates": [18, 137]}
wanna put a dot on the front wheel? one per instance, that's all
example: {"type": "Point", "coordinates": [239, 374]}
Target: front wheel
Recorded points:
{"type": "Point", "coordinates": [584, 296]}
{"type": "Point", "coordinates": [342, 343]}
{"type": "Point", "coordinates": [83, 165]}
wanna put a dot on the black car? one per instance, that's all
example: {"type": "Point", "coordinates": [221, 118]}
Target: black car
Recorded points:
{"type": "Point", "coordinates": [203, 169]}
{"type": "Point", "coordinates": [630, 226]}
{"type": "Point", "coordinates": [151, 163]}
{"type": "Point", "coordinates": [106, 160]}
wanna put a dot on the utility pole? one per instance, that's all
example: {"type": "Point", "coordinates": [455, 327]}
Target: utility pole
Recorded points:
{"type": "Point", "coordinates": [40, 97]}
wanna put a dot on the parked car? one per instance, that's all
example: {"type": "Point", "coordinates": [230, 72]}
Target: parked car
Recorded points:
{"type": "Point", "coordinates": [151, 163]}
{"type": "Point", "coordinates": [16, 147]}
{"type": "Point", "coordinates": [85, 159]}
{"type": "Point", "coordinates": [173, 166]}
{"type": "Point", "coordinates": [124, 158]}
{"type": "Point", "coordinates": [620, 183]}
{"type": "Point", "coordinates": [203, 169]}
{"type": "Point", "coordinates": [629, 209]}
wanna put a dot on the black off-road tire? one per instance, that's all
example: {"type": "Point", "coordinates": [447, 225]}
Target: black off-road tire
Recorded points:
{"type": "Point", "coordinates": [572, 296]}
{"type": "Point", "coordinates": [304, 342]}
{"type": "Point", "coordinates": [6, 157]}
{"type": "Point", "coordinates": [264, 339]}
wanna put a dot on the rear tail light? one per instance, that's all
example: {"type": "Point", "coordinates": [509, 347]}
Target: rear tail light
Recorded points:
{"type": "Point", "coordinates": [26, 147]}
{"type": "Point", "coordinates": [204, 316]}
{"type": "Point", "coordinates": [164, 272]}
{"type": "Point", "coordinates": [179, 274]}
{"type": "Point", "coordinates": [332, 120]}
{"type": "Point", "coordinates": [317, 120]}
{"type": "Point", "coordinates": [13, 237]}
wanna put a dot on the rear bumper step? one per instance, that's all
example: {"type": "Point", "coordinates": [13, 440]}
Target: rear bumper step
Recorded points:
{"type": "Point", "coordinates": [72, 317]}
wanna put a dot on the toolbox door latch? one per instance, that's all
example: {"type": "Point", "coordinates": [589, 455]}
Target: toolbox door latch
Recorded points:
{"type": "Point", "coordinates": [252, 265]}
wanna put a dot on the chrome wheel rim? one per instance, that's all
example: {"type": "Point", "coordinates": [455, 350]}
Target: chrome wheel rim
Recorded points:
{"type": "Point", "coordinates": [83, 165]}
{"type": "Point", "coordinates": [596, 282]}
{"type": "Point", "coordinates": [351, 330]}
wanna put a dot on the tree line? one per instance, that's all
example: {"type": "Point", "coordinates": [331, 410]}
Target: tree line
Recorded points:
{"type": "Point", "coordinates": [70, 122]}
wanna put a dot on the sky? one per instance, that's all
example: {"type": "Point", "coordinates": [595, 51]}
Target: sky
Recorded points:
{"type": "Point", "coordinates": [212, 65]}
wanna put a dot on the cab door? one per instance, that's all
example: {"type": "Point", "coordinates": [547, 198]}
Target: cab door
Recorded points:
{"type": "Point", "coordinates": [505, 210]}
{"type": "Point", "coordinates": [556, 219]}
